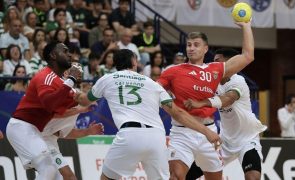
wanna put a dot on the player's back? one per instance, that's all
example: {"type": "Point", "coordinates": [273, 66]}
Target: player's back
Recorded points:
{"type": "Point", "coordinates": [133, 97]}
{"type": "Point", "coordinates": [238, 122]}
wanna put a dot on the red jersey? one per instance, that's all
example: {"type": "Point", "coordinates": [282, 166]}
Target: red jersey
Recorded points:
{"type": "Point", "coordinates": [195, 82]}
{"type": "Point", "coordinates": [45, 96]}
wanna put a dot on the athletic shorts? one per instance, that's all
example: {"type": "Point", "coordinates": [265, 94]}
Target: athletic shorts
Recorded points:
{"type": "Point", "coordinates": [134, 145]}
{"type": "Point", "coordinates": [249, 154]}
{"type": "Point", "coordinates": [188, 146]}
{"type": "Point", "coordinates": [26, 140]}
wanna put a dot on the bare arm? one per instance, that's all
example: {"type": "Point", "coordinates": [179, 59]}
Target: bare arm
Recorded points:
{"type": "Point", "coordinates": [93, 129]}
{"type": "Point", "coordinates": [188, 121]}
{"type": "Point", "coordinates": [73, 111]}
{"type": "Point", "coordinates": [227, 99]}
{"type": "Point", "coordinates": [83, 99]}
{"type": "Point", "coordinates": [239, 62]}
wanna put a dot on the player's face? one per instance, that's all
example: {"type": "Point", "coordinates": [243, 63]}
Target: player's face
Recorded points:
{"type": "Point", "coordinates": [63, 57]}
{"type": "Point", "coordinates": [196, 50]}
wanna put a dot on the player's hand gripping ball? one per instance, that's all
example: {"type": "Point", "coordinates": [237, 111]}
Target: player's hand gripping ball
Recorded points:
{"type": "Point", "coordinates": [242, 12]}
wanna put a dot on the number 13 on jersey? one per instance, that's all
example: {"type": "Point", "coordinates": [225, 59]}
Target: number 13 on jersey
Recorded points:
{"type": "Point", "coordinates": [131, 94]}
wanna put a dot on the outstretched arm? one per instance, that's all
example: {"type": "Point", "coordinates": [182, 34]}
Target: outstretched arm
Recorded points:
{"type": "Point", "coordinates": [93, 129]}
{"type": "Point", "coordinates": [239, 62]}
{"type": "Point", "coordinates": [188, 121]}
{"type": "Point", "coordinates": [223, 100]}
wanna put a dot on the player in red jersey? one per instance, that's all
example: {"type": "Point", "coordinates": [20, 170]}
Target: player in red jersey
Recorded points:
{"type": "Point", "coordinates": [196, 80]}
{"type": "Point", "coordinates": [46, 96]}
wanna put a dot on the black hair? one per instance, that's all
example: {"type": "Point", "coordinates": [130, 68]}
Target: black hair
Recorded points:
{"type": "Point", "coordinates": [58, 10]}
{"type": "Point", "coordinates": [227, 52]}
{"type": "Point", "coordinates": [148, 24]}
{"type": "Point", "coordinates": [153, 56]}
{"type": "Point", "coordinates": [93, 56]}
{"type": "Point", "coordinates": [14, 73]}
{"type": "Point", "coordinates": [8, 54]}
{"type": "Point", "coordinates": [122, 1]}
{"type": "Point", "coordinates": [123, 59]}
{"type": "Point", "coordinates": [289, 98]}
{"type": "Point", "coordinates": [49, 48]}
{"type": "Point", "coordinates": [74, 49]}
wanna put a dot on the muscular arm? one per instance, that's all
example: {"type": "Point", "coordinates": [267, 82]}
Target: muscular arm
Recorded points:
{"type": "Point", "coordinates": [85, 99]}
{"type": "Point", "coordinates": [237, 63]}
{"type": "Point", "coordinates": [188, 121]}
{"type": "Point", "coordinates": [93, 129]}
{"type": "Point", "coordinates": [73, 111]}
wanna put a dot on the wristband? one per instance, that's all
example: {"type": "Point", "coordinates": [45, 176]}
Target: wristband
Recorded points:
{"type": "Point", "coordinates": [73, 79]}
{"type": "Point", "coordinates": [215, 102]}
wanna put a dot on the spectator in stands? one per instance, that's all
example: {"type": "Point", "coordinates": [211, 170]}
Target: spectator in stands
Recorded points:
{"type": "Point", "coordinates": [61, 35]}
{"type": "Point", "coordinates": [95, 12]}
{"type": "Point", "coordinates": [11, 14]}
{"type": "Point", "coordinates": [92, 70]}
{"type": "Point", "coordinates": [14, 36]}
{"type": "Point", "coordinates": [107, 42]}
{"type": "Point", "coordinates": [147, 42]}
{"type": "Point", "coordinates": [14, 57]}
{"type": "Point", "coordinates": [125, 42]}
{"type": "Point", "coordinates": [21, 6]}
{"type": "Point", "coordinates": [121, 17]}
{"type": "Point", "coordinates": [19, 85]}
{"type": "Point", "coordinates": [96, 33]}
{"type": "Point", "coordinates": [38, 62]}
{"type": "Point", "coordinates": [1, 17]}
{"type": "Point", "coordinates": [178, 59]}
{"type": "Point", "coordinates": [61, 4]}
{"type": "Point", "coordinates": [106, 5]}
{"type": "Point", "coordinates": [155, 73]}
{"type": "Point", "coordinates": [157, 59]}
{"type": "Point", "coordinates": [38, 36]}
{"type": "Point", "coordinates": [80, 16]}
{"type": "Point", "coordinates": [30, 25]}
{"type": "Point", "coordinates": [75, 53]}
{"type": "Point", "coordinates": [286, 116]}
{"type": "Point", "coordinates": [40, 8]}
{"type": "Point", "coordinates": [107, 64]}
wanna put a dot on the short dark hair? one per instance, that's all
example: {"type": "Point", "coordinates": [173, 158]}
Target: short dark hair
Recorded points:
{"type": "Point", "coordinates": [58, 10]}
{"type": "Point", "coordinates": [289, 98]}
{"type": "Point", "coordinates": [122, 1]}
{"type": "Point", "coordinates": [227, 52]}
{"type": "Point", "coordinates": [48, 50]}
{"type": "Point", "coordinates": [123, 59]}
{"type": "Point", "coordinates": [195, 35]}
{"type": "Point", "coordinates": [93, 56]}
{"type": "Point", "coordinates": [148, 24]}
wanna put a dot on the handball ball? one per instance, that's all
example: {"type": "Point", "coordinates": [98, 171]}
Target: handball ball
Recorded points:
{"type": "Point", "coordinates": [241, 12]}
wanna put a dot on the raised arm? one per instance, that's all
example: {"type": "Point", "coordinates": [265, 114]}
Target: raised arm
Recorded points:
{"type": "Point", "coordinates": [239, 62]}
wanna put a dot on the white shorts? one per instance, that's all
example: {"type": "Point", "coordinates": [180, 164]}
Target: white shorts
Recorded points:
{"type": "Point", "coordinates": [231, 152]}
{"type": "Point", "coordinates": [134, 145]}
{"type": "Point", "coordinates": [26, 140]}
{"type": "Point", "coordinates": [29, 144]}
{"type": "Point", "coordinates": [188, 146]}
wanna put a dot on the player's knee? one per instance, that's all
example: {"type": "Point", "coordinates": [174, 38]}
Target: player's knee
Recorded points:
{"type": "Point", "coordinates": [252, 175]}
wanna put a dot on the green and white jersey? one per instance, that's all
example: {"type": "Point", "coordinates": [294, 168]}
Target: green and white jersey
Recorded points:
{"type": "Point", "coordinates": [238, 123]}
{"type": "Point", "coordinates": [131, 97]}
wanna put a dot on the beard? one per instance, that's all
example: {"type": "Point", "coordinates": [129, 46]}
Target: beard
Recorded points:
{"type": "Point", "coordinates": [64, 64]}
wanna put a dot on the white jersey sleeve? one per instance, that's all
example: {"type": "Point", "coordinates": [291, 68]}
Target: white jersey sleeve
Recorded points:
{"type": "Point", "coordinates": [97, 91]}
{"type": "Point", "coordinates": [164, 96]}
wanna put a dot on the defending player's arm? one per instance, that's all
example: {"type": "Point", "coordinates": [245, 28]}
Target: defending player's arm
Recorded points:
{"type": "Point", "coordinates": [238, 62]}
{"type": "Point", "coordinates": [93, 129]}
{"type": "Point", "coordinates": [188, 121]}
{"type": "Point", "coordinates": [220, 101]}
{"type": "Point", "coordinates": [73, 111]}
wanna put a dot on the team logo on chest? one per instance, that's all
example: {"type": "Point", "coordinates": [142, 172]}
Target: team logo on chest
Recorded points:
{"type": "Point", "coordinates": [193, 73]}
{"type": "Point", "coordinates": [215, 74]}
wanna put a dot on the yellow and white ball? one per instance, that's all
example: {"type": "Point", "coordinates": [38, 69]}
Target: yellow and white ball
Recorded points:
{"type": "Point", "coordinates": [242, 12]}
